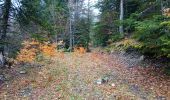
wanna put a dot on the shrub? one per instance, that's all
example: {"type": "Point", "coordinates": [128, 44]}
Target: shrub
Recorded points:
{"type": "Point", "coordinates": [48, 49]}
{"type": "Point", "coordinates": [32, 50]}
{"type": "Point", "coordinates": [154, 34]}
{"type": "Point", "coordinates": [116, 37]}
{"type": "Point", "coordinates": [80, 50]}
{"type": "Point", "coordinates": [165, 39]}
{"type": "Point", "coordinates": [28, 52]}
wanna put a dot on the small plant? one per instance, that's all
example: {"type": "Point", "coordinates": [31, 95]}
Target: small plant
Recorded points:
{"type": "Point", "coordinates": [128, 43]}
{"type": "Point", "coordinates": [32, 50]}
{"type": "Point", "coordinates": [48, 49]}
{"type": "Point", "coordinates": [28, 52]}
{"type": "Point", "coordinates": [80, 50]}
{"type": "Point", "coordinates": [116, 37]}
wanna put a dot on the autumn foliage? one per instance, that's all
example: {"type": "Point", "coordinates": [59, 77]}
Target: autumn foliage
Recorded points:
{"type": "Point", "coordinates": [80, 50]}
{"type": "Point", "coordinates": [48, 49]}
{"type": "Point", "coordinates": [32, 48]}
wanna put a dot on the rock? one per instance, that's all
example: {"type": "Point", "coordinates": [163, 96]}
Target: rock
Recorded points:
{"type": "Point", "coordinates": [105, 79]}
{"type": "Point", "coordinates": [37, 65]}
{"type": "Point", "coordinates": [25, 92]}
{"type": "Point", "coordinates": [2, 77]}
{"type": "Point", "coordinates": [22, 72]}
{"type": "Point", "coordinates": [142, 58]}
{"type": "Point", "coordinates": [8, 77]}
{"type": "Point", "coordinates": [99, 81]}
{"type": "Point", "coordinates": [113, 85]}
{"type": "Point", "coordinates": [2, 60]}
{"type": "Point", "coordinates": [161, 98]}
{"type": "Point", "coordinates": [102, 80]}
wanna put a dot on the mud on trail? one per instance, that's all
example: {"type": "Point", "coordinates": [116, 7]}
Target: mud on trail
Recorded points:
{"type": "Point", "coordinates": [71, 76]}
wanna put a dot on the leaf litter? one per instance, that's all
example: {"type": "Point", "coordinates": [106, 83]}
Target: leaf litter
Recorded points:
{"type": "Point", "coordinates": [73, 77]}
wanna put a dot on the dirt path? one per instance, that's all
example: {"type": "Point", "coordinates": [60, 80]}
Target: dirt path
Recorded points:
{"type": "Point", "coordinates": [73, 76]}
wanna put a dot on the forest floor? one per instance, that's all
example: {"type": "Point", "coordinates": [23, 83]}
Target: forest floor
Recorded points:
{"type": "Point", "coordinates": [72, 76]}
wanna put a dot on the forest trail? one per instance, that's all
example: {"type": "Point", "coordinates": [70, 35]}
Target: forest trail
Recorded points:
{"type": "Point", "coordinates": [72, 76]}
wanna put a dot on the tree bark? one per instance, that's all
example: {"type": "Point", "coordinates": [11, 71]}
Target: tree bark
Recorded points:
{"type": "Point", "coordinates": [5, 19]}
{"type": "Point", "coordinates": [70, 26]}
{"type": "Point", "coordinates": [121, 15]}
{"type": "Point", "coordinates": [6, 13]}
{"type": "Point", "coordinates": [88, 25]}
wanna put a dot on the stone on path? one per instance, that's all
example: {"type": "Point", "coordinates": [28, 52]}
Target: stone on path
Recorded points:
{"type": "Point", "coordinates": [22, 72]}
{"type": "Point", "coordinates": [26, 91]}
{"type": "Point", "coordinates": [113, 85]}
{"type": "Point", "coordinates": [102, 80]}
{"type": "Point", "coordinates": [99, 81]}
{"type": "Point", "coordinates": [2, 77]}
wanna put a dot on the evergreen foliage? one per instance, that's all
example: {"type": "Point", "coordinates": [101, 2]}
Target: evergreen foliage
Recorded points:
{"type": "Point", "coordinates": [82, 33]}
{"type": "Point", "coordinates": [144, 21]}
{"type": "Point", "coordinates": [43, 15]}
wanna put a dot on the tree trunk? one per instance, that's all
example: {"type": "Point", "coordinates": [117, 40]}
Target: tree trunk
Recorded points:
{"type": "Point", "coordinates": [121, 15]}
{"type": "Point", "coordinates": [5, 19]}
{"type": "Point", "coordinates": [88, 25]}
{"type": "Point", "coordinates": [70, 26]}
{"type": "Point", "coordinates": [162, 7]}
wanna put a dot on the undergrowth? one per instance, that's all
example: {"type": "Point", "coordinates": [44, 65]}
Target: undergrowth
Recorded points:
{"type": "Point", "coordinates": [33, 50]}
